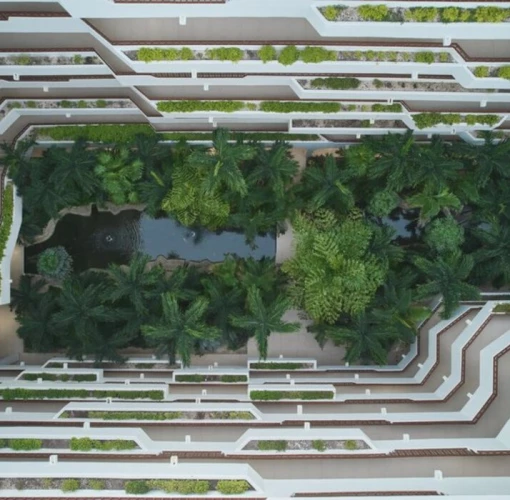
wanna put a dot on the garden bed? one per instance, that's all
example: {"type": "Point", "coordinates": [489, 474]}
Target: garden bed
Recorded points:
{"type": "Point", "coordinates": [159, 415]}
{"type": "Point", "coordinates": [348, 124]}
{"type": "Point", "coordinates": [260, 395]}
{"type": "Point", "coordinates": [306, 445]}
{"type": "Point", "coordinates": [49, 60]}
{"type": "Point", "coordinates": [68, 104]}
{"type": "Point", "coordinates": [198, 378]}
{"type": "Point", "coordinates": [107, 366]}
{"type": "Point", "coordinates": [57, 377]}
{"type": "Point", "coordinates": [285, 365]}
{"type": "Point", "coordinates": [73, 444]}
{"type": "Point", "coordinates": [28, 394]}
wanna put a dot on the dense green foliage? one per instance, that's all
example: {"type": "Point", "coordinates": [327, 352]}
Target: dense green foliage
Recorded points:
{"type": "Point", "coordinates": [426, 120]}
{"type": "Point", "coordinates": [13, 394]}
{"type": "Point", "coordinates": [301, 395]}
{"type": "Point", "coordinates": [197, 378]}
{"type": "Point", "coordinates": [138, 487]}
{"type": "Point", "coordinates": [190, 106]}
{"type": "Point", "coordinates": [64, 377]}
{"type": "Point", "coordinates": [88, 444]}
{"type": "Point", "coordinates": [7, 210]}
{"type": "Point", "coordinates": [272, 445]}
{"type": "Point", "coordinates": [336, 83]}
{"type": "Point", "coordinates": [267, 365]}
{"type": "Point", "coordinates": [232, 487]}
{"type": "Point", "coordinates": [24, 444]}
{"type": "Point", "coordinates": [54, 263]}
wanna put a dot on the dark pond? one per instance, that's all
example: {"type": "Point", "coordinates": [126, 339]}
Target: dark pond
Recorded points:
{"type": "Point", "coordinates": [104, 238]}
{"type": "Point", "coordinates": [405, 224]}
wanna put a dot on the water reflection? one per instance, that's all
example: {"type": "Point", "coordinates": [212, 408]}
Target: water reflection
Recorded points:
{"type": "Point", "coordinates": [104, 238]}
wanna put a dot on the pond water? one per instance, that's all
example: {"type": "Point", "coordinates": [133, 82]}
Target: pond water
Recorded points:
{"type": "Point", "coordinates": [103, 238]}
{"type": "Point", "coordinates": [405, 224]}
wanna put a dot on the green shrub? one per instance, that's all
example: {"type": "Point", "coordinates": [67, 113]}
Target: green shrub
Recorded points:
{"type": "Point", "coordinates": [136, 487]}
{"type": "Point", "coordinates": [181, 486]}
{"type": "Point", "coordinates": [351, 445]}
{"type": "Point", "coordinates": [88, 444]}
{"type": "Point", "coordinates": [502, 308]}
{"type": "Point", "coordinates": [77, 59]}
{"type": "Point", "coordinates": [319, 445]}
{"type": "Point", "coordinates": [383, 203]}
{"type": "Point", "coordinates": [69, 485]}
{"type": "Point", "coordinates": [13, 394]}
{"type": "Point", "coordinates": [331, 12]}
{"type": "Point", "coordinates": [14, 105]}
{"type": "Point", "coordinates": [31, 104]}
{"type": "Point", "coordinates": [96, 484]}
{"type": "Point", "coordinates": [317, 54]}
{"type": "Point", "coordinates": [277, 395]}
{"type": "Point", "coordinates": [150, 54]}
{"type": "Point", "coordinates": [444, 57]}
{"type": "Point", "coordinates": [101, 103]}
{"type": "Point", "coordinates": [444, 235]}
{"type": "Point", "coordinates": [55, 264]}
{"type": "Point", "coordinates": [426, 120]}
{"type": "Point", "coordinates": [490, 14]}
{"type": "Point", "coordinates": [267, 53]}
{"type": "Point", "coordinates": [237, 415]}
{"type": "Point", "coordinates": [66, 104]}
{"type": "Point", "coordinates": [269, 365]}
{"type": "Point", "coordinates": [134, 415]}
{"type": "Point", "coordinates": [64, 377]}
{"type": "Point", "coordinates": [504, 72]}
{"type": "Point", "coordinates": [288, 55]}
{"type": "Point", "coordinates": [378, 84]}
{"type": "Point", "coordinates": [481, 71]}
{"type": "Point", "coordinates": [225, 54]}
{"type": "Point", "coordinates": [23, 60]}
{"type": "Point", "coordinates": [450, 14]}
{"type": "Point", "coordinates": [47, 483]}
{"type": "Point", "coordinates": [228, 379]}
{"type": "Point", "coordinates": [336, 83]}
{"type": "Point", "coordinates": [299, 107]}
{"type": "Point", "coordinates": [391, 56]}
{"type": "Point", "coordinates": [373, 12]}
{"type": "Point", "coordinates": [482, 119]}
{"type": "Point", "coordinates": [272, 445]}
{"type": "Point", "coordinates": [6, 220]}
{"type": "Point", "coordinates": [232, 487]}
{"type": "Point", "coordinates": [421, 14]}
{"type": "Point", "coordinates": [370, 55]}
{"type": "Point", "coordinates": [424, 57]}
{"type": "Point", "coordinates": [82, 104]}
{"type": "Point", "coordinates": [186, 54]}
{"type": "Point", "coordinates": [25, 444]}
{"type": "Point", "coordinates": [190, 378]}
{"type": "Point", "coordinates": [190, 106]}
{"type": "Point", "coordinates": [387, 108]}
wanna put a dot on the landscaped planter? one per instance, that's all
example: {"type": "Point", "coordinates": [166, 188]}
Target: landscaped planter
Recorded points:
{"type": "Point", "coordinates": [319, 445]}
{"type": "Point", "coordinates": [109, 366]}
{"type": "Point", "coordinates": [159, 415]}
{"type": "Point", "coordinates": [201, 378]}
{"type": "Point", "coordinates": [68, 104]}
{"type": "Point", "coordinates": [73, 444]}
{"type": "Point", "coordinates": [302, 395]}
{"type": "Point", "coordinates": [50, 60]}
{"type": "Point", "coordinates": [30, 394]}
{"type": "Point", "coordinates": [57, 377]}
{"type": "Point", "coordinates": [396, 124]}
{"type": "Point", "coordinates": [6, 219]}
{"type": "Point", "coordinates": [282, 365]}
{"type": "Point", "coordinates": [491, 72]}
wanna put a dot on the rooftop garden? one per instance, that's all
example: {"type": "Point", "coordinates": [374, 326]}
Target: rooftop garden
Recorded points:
{"type": "Point", "coordinates": [383, 13]}
{"type": "Point", "coordinates": [379, 229]}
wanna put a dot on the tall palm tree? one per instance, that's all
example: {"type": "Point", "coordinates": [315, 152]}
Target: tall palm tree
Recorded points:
{"type": "Point", "coordinates": [73, 169]}
{"type": "Point", "coordinates": [179, 329]}
{"type": "Point", "coordinates": [134, 283]}
{"type": "Point", "coordinates": [446, 276]}
{"type": "Point", "coordinates": [395, 159]}
{"type": "Point", "coordinates": [493, 257]}
{"type": "Point", "coordinates": [149, 150]}
{"type": "Point", "coordinates": [222, 163]}
{"type": "Point", "coordinates": [489, 160]}
{"type": "Point", "coordinates": [27, 294]}
{"type": "Point", "coordinates": [154, 189]}
{"type": "Point", "coordinates": [16, 158]}
{"type": "Point", "coordinates": [118, 173]}
{"type": "Point", "coordinates": [263, 319]}
{"type": "Point", "coordinates": [274, 167]}
{"type": "Point", "coordinates": [435, 170]}
{"type": "Point", "coordinates": [324, 186]}
{"type": "Point", "coordinates": [432, 203]}
{"type": "Point", "coordinates": [365, 339]}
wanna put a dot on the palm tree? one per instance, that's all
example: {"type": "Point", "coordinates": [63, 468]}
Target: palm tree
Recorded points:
{"type": "Point", "coordinates": [263, 319]}
{"type": "Point", "coordinates": [323, 186]}
{"type": "Point", "coordinates": [274, 168]}
{"type": "Point", "coordinates": [222, 163]}
{"type": "Point", "coordinates": [489, 160]}
{"type": "Point", "coordinates": [179, 329]}
{"type": "Point", "coordinates": [37, 326]}
{"type": "Point", "coordinates": [154, 189]}
{"type": "Point", "coordinates": [395, 159]}
{"type": "Point", "coordinates": [493, 257]}
{"type": "Point", "coordinates": [435, 170]}
{"type": "Point", "coordinates": [431, 204]}
{"type": "Point", "coordinates": [366, 338]}
{"type": "Point", "coordinates": [73, 170]}
{"type": "Point", "coordinates": [134, 283]}
{"type": "Point", "coordinates": [149, 151]}
{"type": "Point", "coordinates": [224, 302]}
{"type": "Point", "coordinates": [446, 276]}
{"type": "Point", "coordinates": [383, 246]}
{"type": "Point", "coordinates": [119, 172]}
{"type": "Point", "coordinates": [18, 161]}
{"type": "Point", "coordinates": [27, 294]}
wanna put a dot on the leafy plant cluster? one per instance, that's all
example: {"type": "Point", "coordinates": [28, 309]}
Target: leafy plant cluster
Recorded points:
{"type": "Point", "coordinates": [272, 445]}
{"type": "Point", "coordinates": [383, 13]}
{"type": "Point", "coordinates": [25, 394]}
{"type": "Point", "coordinates": [301, 395]}
{"type": "Point", "coordinates": [88, 444]}
{"type": "Point", "coordinates": [6, 213]}
{"type": "Point", "coordinates": [55, 263]}
{"type": "Point", "coordinates": [336, 83]}
{"type": "Point", "coordinates": [190, 106]}
{"type": "Point", "coordinates": [21, 444]}
{"type": "Point", "coordinates": [426, 120]}
{"type": "Point", "coordinates": [502, 308]}
{"type": "Point", "coordinates": [186, 486]}
{"type": "Point", "coordinates": [271, 365]}
{"type": "Point", "coordinates": [150, 54]}
{"type": "Point", "coordinates": [226, 379]}
{"type": "Point", "coordinates": [121, 134]}
{"type": "Point", "coordinates": [64, 377]}
{"type": "Point", "coordinates": [134, 415]}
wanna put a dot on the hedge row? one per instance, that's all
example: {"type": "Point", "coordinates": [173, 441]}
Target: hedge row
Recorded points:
{"type": "Point", "coordinates": [12, 394]}
{"type": "Point", "coordinates": [299, 107]}
{"type": "Point", "coordinates": [387, 108]}
{"type": "Point", "coordinates": [126, 133]}
{"type": "Point", "coordinates": [149, 54]}
{"type": "Point", "coordinates": [186, 486]}
{"type": "Point", "coordinates": [270, 365]}
{"type": "Point", "coordinates": [502, 308]}
{"type": "Point", "coordinates": [196, 378]}
{"type": "Point", "coordinates": [64, 377]}
{"type": "Point", "coordinates": [7, 211]}
{"type": "Point", "coordinates": [426, 120]}
{"type": "Point", "coordinates": [190, 106]}
{"type": "Point", "coordinates": [304, 395]}
{"type": "Point", "coordinates": [383, 13]}
{"type": "Point", "coordinates": [336, 83]}
{"type": "Point", "coordinates": [21, 444]}
{"type": "Point", "coordinates": [135, 415]}
{"type": "Point", "coordinates": [88, 444]}
{"type": "Point", "coordinates": [272, 445]}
